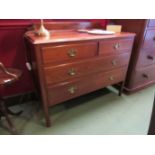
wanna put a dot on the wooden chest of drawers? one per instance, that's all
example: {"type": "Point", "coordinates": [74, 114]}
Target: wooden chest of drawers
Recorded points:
{"type": "Point", "coordinates": [141, 71]}
{"type": "Point", "coordinates": [70, 64]}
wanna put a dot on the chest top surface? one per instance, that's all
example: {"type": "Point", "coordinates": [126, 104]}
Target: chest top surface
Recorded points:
{"type": "Point", "coordinates": [58, 36]}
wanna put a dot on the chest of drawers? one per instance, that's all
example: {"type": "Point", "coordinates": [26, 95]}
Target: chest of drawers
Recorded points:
{"type": "Point", "coordinates": [70, 64]}
{"type": "Point", "coordinates": [141, 71]}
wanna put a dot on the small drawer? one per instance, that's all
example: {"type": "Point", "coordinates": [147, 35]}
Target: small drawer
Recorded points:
{"type": "Point", "coordinates": [151, 23]}
{"type": "Point", "coordinates": [144, 76]}
{"type": "Point", "coordinates": [107, 47]}
{"type": "Point", "coordinates": [66, 52]}
{"type": "Point", "coordinates": [149, 41]}
{"type": "Point", "coordinates": [54, 74]}
{"type": "Point", "coordinates": [67, 90]}
{"type": "Point", "coordinates": [147, 57]}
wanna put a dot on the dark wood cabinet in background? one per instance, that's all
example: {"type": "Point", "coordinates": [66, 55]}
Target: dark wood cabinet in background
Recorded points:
{"type": "Point", "coordinates": [141, 71]}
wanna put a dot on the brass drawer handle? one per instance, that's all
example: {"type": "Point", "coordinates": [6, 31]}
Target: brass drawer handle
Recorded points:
{"type": "Point", "coordinates": [114, 62]}
{"type": "Point", "coordinates": [72, 89]}
{"type": "Point", "coordinates": [72, 52]}
{"type": "Point", "coordinates": [145, 75]}
{"type": "Point", "coordinates": [72, 72]}
{"type": "Point", "coordinates": [116, 46]}
{"type": "Point", "coordinates": [111, 78]}
{"type": "Point", "coordinates": [150, 57]}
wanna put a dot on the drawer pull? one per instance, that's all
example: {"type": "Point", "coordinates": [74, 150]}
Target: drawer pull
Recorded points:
{"type": "Point", "coordinates": [72, 52]}
{"type": "Point", "coordinates": [116, 46]}
{"type": "Point", "coordinates": [111, 78]}
{"type": "Point", "coordinates": [72, 72]}
{"type": "Point", "coordinates": [145, 75]}
{"type": "Point", "coordinates": [150, 57]}
{"type": "Point", "coordinates": [114, 62]}
{"type": "Point", "coordinates": [72, 89]}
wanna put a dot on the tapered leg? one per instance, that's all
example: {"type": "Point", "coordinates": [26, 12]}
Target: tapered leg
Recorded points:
{"type": "Point", "coordinates": [45, 107]}
{"type": "Point", "coordinates": [48, 122]}
{"type": "Point", "coordinates": [47, 117]}
{"type": "Point", "coordinates": [121, 88]}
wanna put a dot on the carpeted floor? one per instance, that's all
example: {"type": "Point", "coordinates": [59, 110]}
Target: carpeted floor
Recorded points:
{"type": "Point", "coordinates": [100, 113]}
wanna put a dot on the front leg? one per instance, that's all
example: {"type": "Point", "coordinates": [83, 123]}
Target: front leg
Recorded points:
{"type": "Point", "coordinates": [121, 88]}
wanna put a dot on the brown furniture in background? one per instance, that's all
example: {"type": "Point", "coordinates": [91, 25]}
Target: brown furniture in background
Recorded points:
{"type": "Point", "coordinates": [7, 77]}
{"type": "Point", "coordinates": [69, 64]}
{"type": "Point", "coordinates": [141, 71]}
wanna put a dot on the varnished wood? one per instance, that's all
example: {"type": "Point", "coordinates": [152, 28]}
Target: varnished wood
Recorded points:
{"type": "Point", "coordinates": [143, 55]}
{"type": "Point", "coordinates": [58, 73]}
{"type": "Point", "coordinates": [67, 52]}
{"type": "Point", "coordinates": [113, 46]}
{"type": "Point", "coordinates": [62, 75]}
{"type": "Point", "coordinates": [41, 79]}
{"type": "Point", "coordinates": [149, 40]}
{"type": "Point", "coordinates": [144, 76]}
{"type": "Point", "coordinates": [146, 57]}
{"type": "Point", "coordinates": [151, 23]}
{"type": "Point", "coordinates": [59, 92]}
{"type": "Point", "coordinates": [62, 36]}
{"type": "Point", "coordinates": [6, 79]}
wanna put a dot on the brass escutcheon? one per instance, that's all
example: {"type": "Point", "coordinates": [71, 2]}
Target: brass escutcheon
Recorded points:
{"type": "Point", "coordinates": [72, 89]}
{"type": "Point", "coordinates": [111, 78]}
{"type": "Point", "coordinates": [72, 72]}
{"type": "Point", "coordinates": [72, 52]}
{"type": "Point", "coordinates": [114, 62]}
{"type": "Point", "coordinates": [116, 46]}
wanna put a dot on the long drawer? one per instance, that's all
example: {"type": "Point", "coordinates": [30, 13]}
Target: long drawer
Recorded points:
{"type": "Point", "coordinates": [151, 23]}
{"type": "Point", "coordinates": [147, 57]}
{"type": "Point", "coordinates": [67, 90]}
{"type": "Point", "coordinates": [149, 41]}
{"type": "Point", "coordinates": [144, 76]}
{"type": "Point", "coordinates": [67, 52]}
{"type": "Point", "coordinates": [54, 74]}
{"type": "Point", "coordinates": [114, 46]}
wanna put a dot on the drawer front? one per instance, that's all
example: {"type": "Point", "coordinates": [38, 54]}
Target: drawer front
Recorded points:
{"type": "Point", "coordinates": [115, 46]}
{"type": "Point", "coordinates": [68, 90]}
{"type": "Point", "coordinates": [151, 23]}
{"type": "Point", "coordinates": [144, 76]}
{"type": "Point", "coordinates": [149, 41]}
{"type": "Point", "coordinates": [67, 52]}
{"type": "Point", "coordinates": [72, 70]}
{"type": "Point", "coordinates": [147, 57]}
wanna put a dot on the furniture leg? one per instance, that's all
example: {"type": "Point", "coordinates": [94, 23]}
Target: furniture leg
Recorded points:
{"type": "Point", "coordinates": [11, 112]}
{"type": "Point", "coordinates": [121, 88]}
{"type": "Point", "coordinates": [47, 117]}
{"type": "Point", "coordinates": [48, 121]}
{"type": "Point", "coordinates": [4, 112]}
